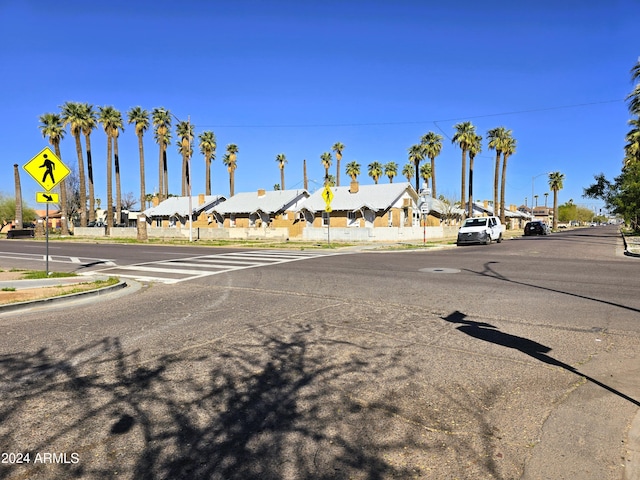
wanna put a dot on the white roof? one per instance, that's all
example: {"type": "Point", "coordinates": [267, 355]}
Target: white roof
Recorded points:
{"type": "Point", "coordinates": [180, 206]}
{"type": "Point", "coordinates": [270, 202]}
{"type": "Point", "coordinates": [374, 197]}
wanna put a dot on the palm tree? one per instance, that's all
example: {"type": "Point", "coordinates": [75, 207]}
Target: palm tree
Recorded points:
{"type": "Point", "coordinates": [416, 155]}
{"type": "Point", "coordinates": [632, 147]}
{"type": "Point", "coordinates": [52, 128]}
{"type": "Point", "coordinates": [475, 147]}
{"type": "Point", "coordinates": [508, 149]}
{"type": "Point", "coordinates": [281, 159]}
{"type": "Point", "coordinates": [463, 138]}
{"type": "Point", "coordinates": [108, 119]}
{"type": "Point", "coordinates": [497, 138]}
{"type": "Point", "coordinates": [18, 192]}
{"type": "Point", "coordinates": [161, 120]}
{"type": "Point", "coordinates": [634, 96]}
{"type": "Point", "coordinates": [337, 148]}
{"type": "Point", "coordinates": [353, 170]}
{"type": "Point", "coordinates": [230, 161]}
{"type": "Point", "coordinates": [88, 124]}
{"type": "Point", "coordinates": [117, 125]}
{"type": "Point", "coordinates": [184, 130]}
{"type": "Point", "coordinates": [391, 170]}
{"type": "Point", "coordinates": [408, 171]}
{"type": "Point", "coordinates": [375, 171]}
{"type": "Point", "coordinates": [73, 115]}
{"type": "Point", "coordinates": [425, 173]}
{"type": "Point", "coordinates": [555, 184]}
{"type": "Point", "coordinates": [208, 147]}
{"type": "Point", "coordinates": [326, 160]}
{"type": "Point", "coordinates": [432, 143]}
{"type": "Point", "coordinates": [140, 118]}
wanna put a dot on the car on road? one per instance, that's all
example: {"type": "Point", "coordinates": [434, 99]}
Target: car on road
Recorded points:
{"type": "Point", "coordinates": [480, 230]}
{"type": "Point", "coordinates": [536, 227]}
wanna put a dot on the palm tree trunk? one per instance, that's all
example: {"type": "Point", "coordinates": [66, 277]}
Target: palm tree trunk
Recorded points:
{"type": "Point", "coordinates": [207, 163]}
{"type": "Point", "coordinates": [143, 194]}
{"type": "Point", "coordinates": [165, 172]}
{"type": "Point", "coordinates": [433, 177]}
{"type": "Point", "coordinates": [470, 206]}
{"type": "Point", "coordinates": [109, 212]}
{"type": "Point", "coordinates": [282, 177]}
{"type": "Point", "coordinates": [417, 164]}
{"type": "Point", "coordinates": [83, 186]}
{"type": "Point", "coordinates": [92, 205]}
{"type": "Point", "coordinates": [160, 172]}
{"type": "Point", "coordinates": [555, 209]}
{"type": "Point", "coordinates": [496, 175]}
{"type": "Point", "coordinates": [463, 178]}
{"type": "Point", "coordinates": [116, 164]}
{"type": "Point", "coordinates": [502, 187]}
{"type": "Point", "coordinates": [338, 158]}
{"type": "Point", "coordinates": [18, 192]}
{"type": "Point", "coordinates": [64, 223]}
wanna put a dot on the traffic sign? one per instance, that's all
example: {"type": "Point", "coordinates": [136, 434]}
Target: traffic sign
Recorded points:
{"type": "Point", "coordinates": [47, 169]}
{"type": "Point", "coordinates": [327, 194]}
{"type": "Point", "coordinates": [46, 197]}
{"type": "Point", "coordinates": [328, 209]}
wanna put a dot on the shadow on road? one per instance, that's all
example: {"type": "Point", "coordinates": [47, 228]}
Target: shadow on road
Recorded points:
{"type": "Point", "coordinates": [488, 333]}
{"type": "Point", "coordinates": [268, 409]}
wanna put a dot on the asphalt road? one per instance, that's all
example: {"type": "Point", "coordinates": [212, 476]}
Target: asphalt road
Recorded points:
{"type": "Point", "coordinates": [513, 360]}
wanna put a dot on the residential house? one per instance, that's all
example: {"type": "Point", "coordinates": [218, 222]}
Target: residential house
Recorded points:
{"type": "Point", "coordinates": [174, 211]}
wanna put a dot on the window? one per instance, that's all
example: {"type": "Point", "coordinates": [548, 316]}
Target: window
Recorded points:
{"type": "Point", "coordinates": [390, 219]}
{"type": "Point", "coordinates": [352, 221]}
{"type": "Point", "coordinates": [232, 220]}
{"type": "Point", "coordinates": [325, 219]}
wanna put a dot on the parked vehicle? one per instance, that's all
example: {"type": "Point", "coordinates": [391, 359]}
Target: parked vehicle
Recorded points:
{"type": "Point", "coordinates": [536, 227]}
{"type": "Point", "coordinates": [480, 230]}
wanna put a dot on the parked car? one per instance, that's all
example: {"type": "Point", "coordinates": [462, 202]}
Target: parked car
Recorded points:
{"type": "Point", "coordinates": [480, 230]}
{"type": "Point", "coordinates": [537, 227]}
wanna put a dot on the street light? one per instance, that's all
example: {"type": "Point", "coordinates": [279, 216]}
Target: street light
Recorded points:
{"type": "Point", "coordinates": [532, 188]}
{"type": "Point", "coordinates": [188, 171]}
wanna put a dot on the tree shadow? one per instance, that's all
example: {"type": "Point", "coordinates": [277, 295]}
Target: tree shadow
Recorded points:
{"type": "Point", "coordinates": [489, 333]}
{"type": "Point", "coordinates": [264, 409]}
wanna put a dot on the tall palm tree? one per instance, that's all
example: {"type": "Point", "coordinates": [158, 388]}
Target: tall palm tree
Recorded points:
{"type": "Point", "coordinates": [326, 160]}
{"type": "Point", "coordinates": [632, 147]}
{"type": "Point", "coordinates": [353, 170]}
{"type": "Point", "coordinates": [337, 148]}
{"type": "Point", "coordinates": [391, 170]}
{"type": "Point", "coordinates": [475, 147]}
{"type": "Point", "coordinates": [508, 150]}
{"type": "Point", "coordinates": [281, 159]}
{"type": "Point", "coordinates": [18, 192]}
{"type": "Point", "coordinates": [425, 173]}
{"type": "Point", "coordinates": [463, 138]}
{"type": "Point", "coordinates": [184, 131]}
{"type": "Point", "coordinates": [416, 155]}
{"type": "Point", "coordinates": [432, 147]}
{"type": "Point", "coordinates": [230, 160]}
{"type": "Point", "coordinates": [375, 171]}
{"type": "Point", "coordinates": [208, 147]}
{"type": "Point", "coordinates": [161, 120]}
{"type": "Point", "coordinates": [634, 96]}
{"type": "Point", "coordinates": [107, 118]}
{"type": "Point", "coordinates": [52, 128]}
{"type": "Point", "coordinates": [73, 116]}
{"type": "Point", "coordinates": [555, 184]}
{"type": "Point", "coordinates": [88, 124]}
{"type": "Point", "coordinates": [140, 118]}
{"type": "Point", "coordinates": [408, 171]}
{"type": "Point", "coordinates": [497, 138]}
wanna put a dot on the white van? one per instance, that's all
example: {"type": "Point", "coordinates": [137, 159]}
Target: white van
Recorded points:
{"type": "Point", "coordinates": [480, 230]}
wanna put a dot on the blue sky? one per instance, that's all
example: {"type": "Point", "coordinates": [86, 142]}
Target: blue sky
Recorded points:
{"type": "Point", "coordinates": [295, 77]}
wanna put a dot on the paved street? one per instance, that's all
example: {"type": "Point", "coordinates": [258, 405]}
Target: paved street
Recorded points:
{"type": "Point", "coordinates": [513, 360]}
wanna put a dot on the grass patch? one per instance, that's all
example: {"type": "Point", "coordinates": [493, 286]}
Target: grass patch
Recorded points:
{"type": "Point", "coordinates": [8, 289]}
{"type": "Point", "coordinates": [36, 274]}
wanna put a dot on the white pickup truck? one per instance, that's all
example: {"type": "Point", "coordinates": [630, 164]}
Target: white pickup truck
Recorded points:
{"type": "Point", "coordinates": [480, 230]}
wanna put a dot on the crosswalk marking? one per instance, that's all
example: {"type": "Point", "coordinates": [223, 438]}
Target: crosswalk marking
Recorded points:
{"type": "Point", "coordinates": [36, 257]}
{"type": "Point", "coordinates": [180, 270]}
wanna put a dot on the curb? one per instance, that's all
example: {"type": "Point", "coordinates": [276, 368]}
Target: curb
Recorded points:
{"type": "Point", "coordinates": [627, 252]}
{"type": "Point", "coordinates": [11, 307]}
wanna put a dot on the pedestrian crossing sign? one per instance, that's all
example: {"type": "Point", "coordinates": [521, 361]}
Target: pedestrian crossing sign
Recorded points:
{"type": "Point", "coordinates": [47, 169]}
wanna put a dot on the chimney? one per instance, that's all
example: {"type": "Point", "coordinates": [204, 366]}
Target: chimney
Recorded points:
{"type": "Point", "coordinates": [354, 187]}
{"type": "Point", "coordinates": [200, 198]}
{"type": "Point", "coordinates": [261, 192]}
{"type": "Point", "coordinates": [155, 201]}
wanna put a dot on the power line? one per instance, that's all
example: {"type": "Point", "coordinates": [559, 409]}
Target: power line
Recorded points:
{"type": "Point", "coordinates": [415, 122]}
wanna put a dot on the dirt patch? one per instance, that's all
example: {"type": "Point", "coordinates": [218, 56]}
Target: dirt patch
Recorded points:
{"type": "Point", "coordinates": [28, 294]}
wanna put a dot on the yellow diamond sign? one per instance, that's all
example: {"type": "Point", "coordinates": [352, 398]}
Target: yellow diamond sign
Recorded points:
{"type": "Point", "coordinates": [327, 194]}
{"type": "Point", "coordinates": [47, 169]}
